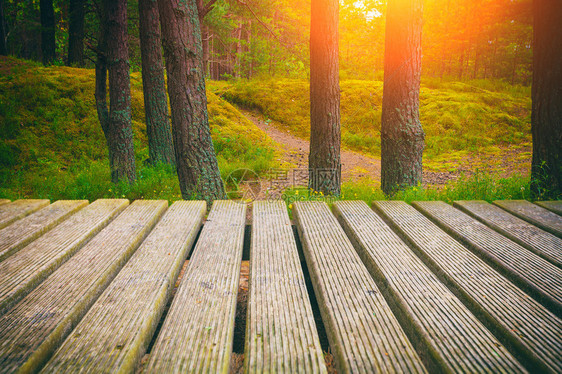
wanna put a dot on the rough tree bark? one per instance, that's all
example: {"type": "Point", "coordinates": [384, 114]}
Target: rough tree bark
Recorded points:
{"type": "Point", "coordinates": [402, 136]}
{"type": "Point", "coordinates": [546, 116]}
{"type": "Point", "coordinates": [196, 162]}
{"type": "Point", "coordinates": [47, 30]}
{"type": "Point", "coordinates": [160, 146]}
{"type": "Point", "coordinates": [324, 158]}
{"type": "Point", "coordinates": [3, 46]}
{"type": "Point", "coordinates": [76, 12]}
{"type": "Point", "coordinates": [113, 61]}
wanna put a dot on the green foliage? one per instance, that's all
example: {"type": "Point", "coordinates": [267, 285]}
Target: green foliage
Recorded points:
{"type": "Point", "coordinates": [52, 145]}
{"type": "Point", "coordinates": [478, 186]}
{"type": "Point", "coordinates": [476, 116]}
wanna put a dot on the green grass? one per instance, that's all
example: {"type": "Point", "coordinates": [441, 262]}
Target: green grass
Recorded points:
{"type": "Point", "coordinates": [478, 186]}
{"type": "Point", "coordinates": [52, 146]}
{"type": "Point", "coordinates": [459, 118]}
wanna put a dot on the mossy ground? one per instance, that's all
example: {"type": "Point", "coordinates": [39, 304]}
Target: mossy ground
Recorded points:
{"type": "Point", "coordinates": [52, 145]}
{"type": "Point", "coordinates": [476, 119]}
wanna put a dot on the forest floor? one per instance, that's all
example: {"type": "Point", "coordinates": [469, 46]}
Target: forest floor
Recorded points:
{"type": "Point", "coordinates": [356, 166]}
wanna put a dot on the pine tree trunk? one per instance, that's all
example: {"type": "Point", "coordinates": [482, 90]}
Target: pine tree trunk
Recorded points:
{"type": "Point", "coordinates": [325, 136]}
{"type": "Point", "coordinates": [3, 46]}
{"type": "Point", "coordinates": [546, 116]}
{"type": "Point", "coordinates": [47, 31]}
{"type": "Point", "coordinates": [205, 35]}
{"type": "Point", "coordinates": [76, 33]}
{"type": "Point", "coordinates": [402, 136]}
{"type": "Point", "coordinates": [116, 122]}
{"type": "Point", "coordinates": [160, 146]}
{"type": "Point", "coordinates": [196, 162]}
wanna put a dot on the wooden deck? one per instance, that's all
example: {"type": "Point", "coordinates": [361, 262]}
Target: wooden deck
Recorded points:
{"type": "Point", "coordinates": [392, 287]}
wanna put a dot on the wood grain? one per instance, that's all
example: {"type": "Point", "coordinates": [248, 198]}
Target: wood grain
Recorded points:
{"type": "Point", "coordinates": [364, 335]}
{"type": "Point", "coordinates": [22, 232]}
{"type": "Point", "coordinates": [24, 270]}
{"type": "Point", "coordinates": [526, 327]}
{"type": "Point", "coordinates": [281, 335]}
{"type": "Point", "coordinates": [115, 332]}
{"type": "Point", "coordinates": [454, 337]}
{"type": "Point", "coordinates": [38, 324]}
{"type": "Point", "coordinates": [534, 214]}
{"type": "Point", "coordinates": [11, 212]}
{"type": "Point", "coordinates": [197, 334]}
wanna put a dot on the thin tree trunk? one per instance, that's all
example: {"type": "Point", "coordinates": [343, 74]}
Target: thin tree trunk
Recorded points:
{"type": "Point", "coordinates": [3, 46]}
{"type": "Point", "coordinates": [160, 146]}
{"type": "Point", "coordinates": [76, 33]}
{"type": "Point", "coordinates": [325, 136]}
{"type": "Point", "coordinates": [47, 31]}
{"type": "Point", "coordinates": [546, 116]}
{"type": "Point", "coordinates": [205, 46]}
{"type": "Point", "coordinates": [238, 51]}
{"type": "Point", "coordinates": [402, 136]}
{"type": "Point", "coordinates": [250, 54]}
{"type": "Point", "coordinates": [196, 162]}
{"type": "Point", "coordinates": [116, 123]}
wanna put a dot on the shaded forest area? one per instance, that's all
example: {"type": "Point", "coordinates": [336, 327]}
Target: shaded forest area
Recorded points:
{"type": "Point", "coordinates": [464, 39]}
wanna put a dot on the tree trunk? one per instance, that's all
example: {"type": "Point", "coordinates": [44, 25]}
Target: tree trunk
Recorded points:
{"type": "Point", "coordinates": [205, 36]}
{"type": "Point", "coordinates": [47, 31]}
{"type": "Point", "coordinates": [324, 159]}
{"type": "Point", "coordinates": [546, 116]}
{"type": "Point", "coordinates": [196, 162]}
{"type": "Point", "coordinates": [76, 33]}
{"type": "Point", "coordinates": [160, 146]}
{"type": "Point", "coordinates": [3, 46]}
{"type": "Point", "coordinates": [238, 51]}
{"type": "Point", "coordinates": [113, 55]}
{"type": "Point", "coordinates": [402, 136]}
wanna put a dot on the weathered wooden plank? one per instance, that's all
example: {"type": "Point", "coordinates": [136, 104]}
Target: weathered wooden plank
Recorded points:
{"type": "Point", "coordinates": [364, 334]}
{"type": "Point", "coordinates": [38, 324]}
{"type": "Point", "coordinates": [454, 337]}
{"type": "Point", "coordinates": [18, 209]}
{"type": "Point", "coordinates": [540, 277]}
{"type": "Point", "coordinates": [525, 326]}
{"type": "Point", "coordinates": [24, 270]}
{"type": "Point", "coordinates": [554, 206]}
{"type": "Point", "coordinates": [197, 334]}
{"type": "Point", "coordinates": [22, 232]}
{"type": "Point", "coordinates": [523, 233]}
{"type": "Point", "coordinates": [534, 214]}
{"type": "Point", "coordinates": [281, 335]}
{"type": "Point", "coordinates": [4, 201]}
{"type": "Point", "coordinates": [114, 334]}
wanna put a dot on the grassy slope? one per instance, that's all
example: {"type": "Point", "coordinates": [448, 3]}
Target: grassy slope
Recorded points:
{"type": "Point", "coordinates": [52, 146]}
{"type": "Point", "coordinates": [459, 119]}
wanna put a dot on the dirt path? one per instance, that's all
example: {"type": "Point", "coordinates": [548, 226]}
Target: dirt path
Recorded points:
{"type": "Point", "coordinates": [295, 151]}
{"type": "Point", "coordinates": [355, 166]}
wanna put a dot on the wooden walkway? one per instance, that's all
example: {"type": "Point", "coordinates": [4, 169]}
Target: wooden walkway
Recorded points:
{"type": "Point", "coordinates": [428, 287]}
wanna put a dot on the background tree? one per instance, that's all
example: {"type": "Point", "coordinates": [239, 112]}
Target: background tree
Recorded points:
{"type": "Point", "coordinates": [113, 63]}
{"type": "Point", "coordinates": [402, 136]}
{"type": "Point", "coordinates": [76, 13]}
{"type": "Point", "coordinates": [47, 31]}
{"type": "Point", "coordinates": [3, 47]}
{"type": "Point", "coordinates": [196, 161]}
{"type": "Point", "coordinates": [325, 135]}
{"type": "Point", "coordinates": [203, 8]}
{"type": "Point", "coordinates": [160, 146]}
{"type": "Point", "coordinates": [546, 117]}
